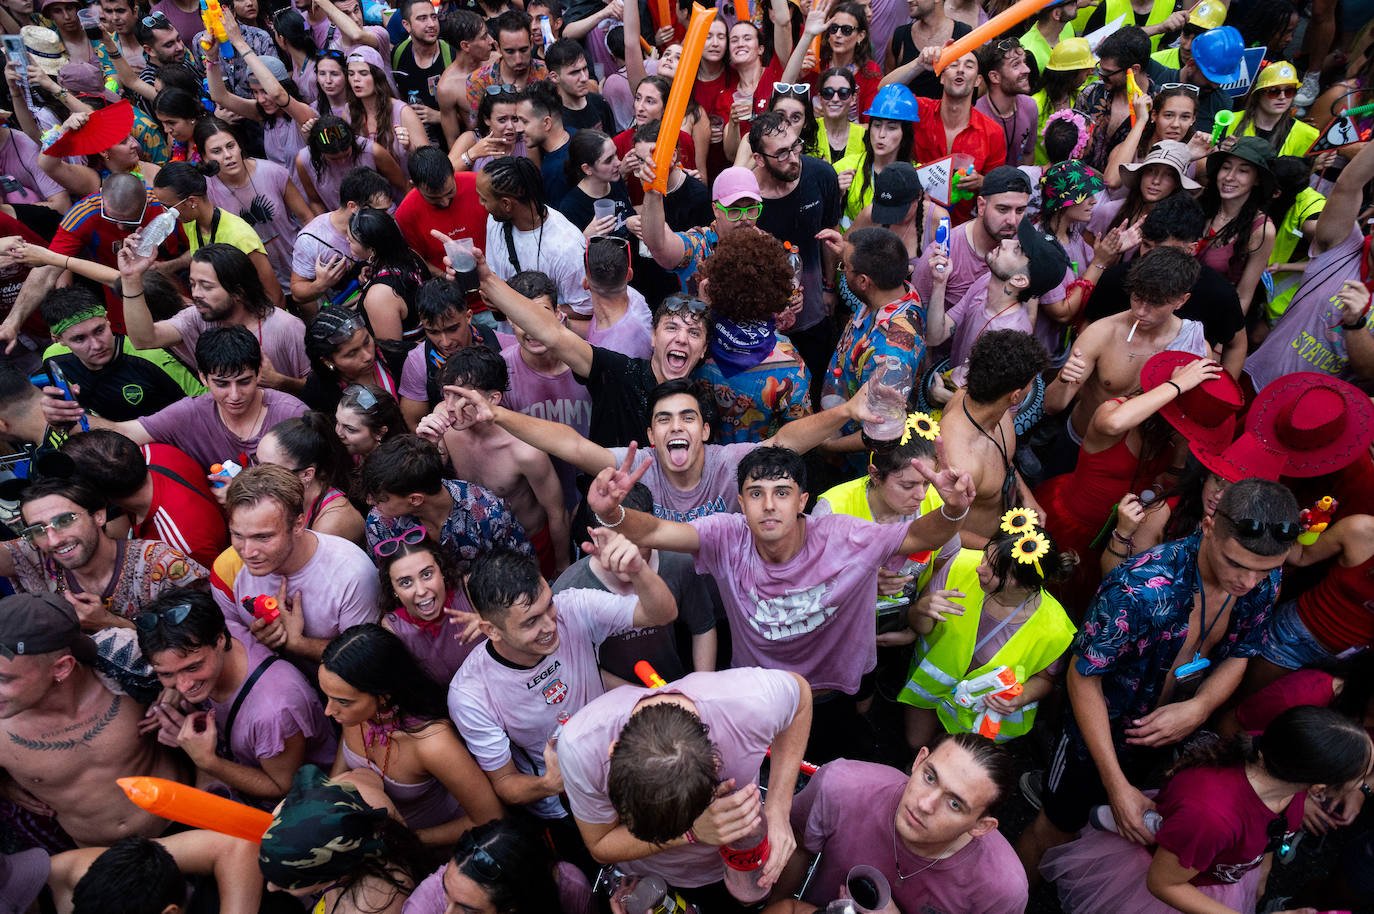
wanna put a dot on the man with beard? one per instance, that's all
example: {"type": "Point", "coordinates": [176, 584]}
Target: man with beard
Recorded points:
{"type": "Point", "coordinates": [419, 61]}
{"type": "Point", "coordinates": [1002, 202]}
{"type": "Point", "coordinates": [801, 197]}
{"type": "Point", "coordinates": [225, 292]}
{"type": "Point", "coordinates": [63, 549]}
{"type": "Point", "coordinates": [225, 424]}
{"type": "Point", "coordinates": [1006, 73]}
{"type": "Point", "coordinates": [64, 736]}
{"type": "Point", "coordinates": [516, 66]}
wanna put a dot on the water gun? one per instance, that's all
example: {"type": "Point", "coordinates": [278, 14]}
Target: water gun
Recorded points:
{"type": "Point", "coordinates": [196, 808]}
{"type": "Point", "coordinates": [262, 607]}
{"type": "Point", "coordinates": [226, 471]}
{"type": "Point", "coordinates": [213, 16]}
{"type": "Point", "coordinates": [1316, 519]}
{"type": "Point", "coordinates": [970, 693]}
{"type": "Point", "coordinates": [648, 675]}
{"type": "Point", "coordinates": [1222, 120]}
{"type": "Point", "coordinates": [956, 194]}
{"type": "Point", "coordinates": [1132, 93]}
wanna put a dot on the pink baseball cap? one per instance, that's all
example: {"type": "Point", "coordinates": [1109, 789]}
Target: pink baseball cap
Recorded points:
{"type": "Point", "coordinates": [733, 184]}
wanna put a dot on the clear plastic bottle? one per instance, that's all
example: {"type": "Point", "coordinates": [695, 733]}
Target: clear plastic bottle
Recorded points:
{"type": "Point", "coordinates": [888, 388]}
{"type": "Point", "coordinates": [744, 860]}
{"type": "Point", "coordinates": [650, 895]}
{"type": "Point", "coordinates": [156, 232]}
{"type": "Point", "coordinates": [1102, 819]}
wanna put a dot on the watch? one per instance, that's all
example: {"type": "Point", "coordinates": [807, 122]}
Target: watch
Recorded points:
{"type": "Point", "coordinates": [1358, 325]}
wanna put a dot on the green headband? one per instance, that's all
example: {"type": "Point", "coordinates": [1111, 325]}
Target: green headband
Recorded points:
{"type": "Point", "coordinates": [68, 323]}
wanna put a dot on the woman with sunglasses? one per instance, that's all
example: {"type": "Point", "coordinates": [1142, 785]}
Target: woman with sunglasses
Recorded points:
{"type": "Point", "coordinates": [365, 417]}
{"type": "Point", "coordinates": [1269, 112]}
{"type": "Point", "coordinates": [593, 172]}
{"type": "Point", "coordinates": [843, 30]}
{"type": "Point", "coordinates": [503, 867]}
{"type": "Point", "coordinates": [1168, 116]}
{"type": "Point", "coordinates": [842, 137]}
{"type": "Point", "coordinates": [259, 190]}
{"type": "Point", "coordinates": [307, 446]}
{"type": "Point", "coordinates": [342, 352]}
{"type": "Point", "coordinates": [891, 137]}
{"type": "Point", "coordinates": [1225, 809]}
{"type": "Point", "coordinates": [397, 725]}
{"type": "Point", "coordinates": [374, 110]}
{"type": "Point", "coordinates": [394, 273]}
{"type": "Point", "coordinates": [181, 188]}
{"type": "Point", "coordinates": [499, 132]}
{"type": "Point", "coordinates": [333, 150]}
{"type": "Point", "coordinates": [424, 603]}
{"type": "Point", "coordinates": [794, 103]}
{"type": "Point", "coordinates": [331, 81]}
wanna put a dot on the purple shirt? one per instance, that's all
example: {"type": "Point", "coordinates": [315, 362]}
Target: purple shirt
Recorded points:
{"type": "Point", "coordinates": [19, 160]}
{"type": "Point", "coordinates": [847, 813]}
{"type": "Point", "coordinates": [558, 398]}
{"type": "Point", "coordinates": [331, 174]}
{"type": "Point", "coordinates": [194, 426]}
{"type": "Point", "coordinates": [439, 654]}
{"type": "Point", "coordinates": [972, 320]}
{"type": "Point", "coordinates": [716, 492]}
{"type": "Point", "coordinates": [1021, 128]}
{"type": "Point", "coordinates": [281, 335]}
{"type": "Point", "coordinates": [319, 237]}
{"type": "Point", "coordinates": [506, 712]}
{"type": "Point", "coordinates": [965, 265]}
{"type": "Point", "coordinates": [632, 335]}
{"type": "Point", "coordinates": [745, 710]}
{"type": "Point", "coordinates": [188, 25]}
{"type": "Point", "coordinates": [813, 614]}
{"type": "Point", "coordinates": [574, 892]}
{"type": "Point", "coordinates": [260, 204]}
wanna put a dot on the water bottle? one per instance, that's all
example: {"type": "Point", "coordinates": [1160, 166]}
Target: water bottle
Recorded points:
{"type": "Point", "coordinates": [1102, 819]}
{"type": "Point", "coordinates": [915, 563]}
{"type": "Point", "coordinates": [744, 861]}
{"type": "Point", "coordinates": [156, 232]}
{"type": "Point", "coordinates": [887, 397]}
{"type": "Point", "coordinates": [650, 895]}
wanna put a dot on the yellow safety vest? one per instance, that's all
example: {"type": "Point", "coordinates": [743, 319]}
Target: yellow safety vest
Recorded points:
{"type": "Point", "coordinates": [1300, 136]}
{"type": "Point", "coordinates": [942, 657]}
{"type": "Point", "coordinates": [852, 498]}
{"type": "Point", "coordinates": [1162, 10]}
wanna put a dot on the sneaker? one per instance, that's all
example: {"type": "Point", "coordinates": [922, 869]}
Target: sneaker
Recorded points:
{"type": "Point", "coordinates": [1308, 91]}
{"type": "Point", "coordinates": [1032, 782]}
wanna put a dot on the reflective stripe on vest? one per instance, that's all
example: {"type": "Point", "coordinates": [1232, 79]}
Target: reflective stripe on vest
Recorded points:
{"type": "Point", "coordinates": [1162, 10]}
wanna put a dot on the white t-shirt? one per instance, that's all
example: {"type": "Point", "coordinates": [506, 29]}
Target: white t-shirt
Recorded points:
{"type": "Point", "coordinates": [556, 249]}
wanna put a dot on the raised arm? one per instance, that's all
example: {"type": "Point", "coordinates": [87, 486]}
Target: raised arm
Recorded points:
{"type": "Point", "coordinates": [553, 438]}
{"type": "Point", "coordinates": [1344, 201]}
{"type": "Point", "coordinates": [782, 29]}
{"type": "Point", "coordinates": [801, 435]}
{"type": "Point", "coordinates": [353, 34]}
{"type": "Point", "coordinates": [1114, 419]}
{"type": "Point", "coordinates": [816, 22]}
{"type": "Point", "coordinates": [913, 68]}
{"type": "Point", "coordinates": [634, 53]}
{"type": "Point", "coordinates": [1125, 151]}
{"type": "Point", "coordinates": [21, 251]}
{"type": "Point", "coordinates": [656, 604]}
{"type": "Point", "coordinates": [609, 489]}
{"type": "Point", "coordinates": [931, 531]}
{"type": "Point", "coordinates": [299, 111]}
{"type": "Point", "coordinates": [615, 9]}
{"type": "Point", "coordinates": [664, 244]}
{"type": "Point", "coordinates": [138, 320]}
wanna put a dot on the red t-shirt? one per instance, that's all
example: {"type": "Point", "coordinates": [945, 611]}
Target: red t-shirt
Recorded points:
{"type": "Point", "coordinates": [187, 520]}
{"type": "Point", "coordinates": [772, 72]}
{"type": "Point", "coordinates": [85, 233]}
{"type": "Point", "coordinates": [982, 139]}
{"type": "Point", "coordinates": [465, 217]}
{"type": "Point", "coordinates": [625, 139]}
{"type": "Point", "coordinates": [1302, 687]}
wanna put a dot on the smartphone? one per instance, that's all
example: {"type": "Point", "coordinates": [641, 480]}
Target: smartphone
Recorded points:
{"type": "Point", "coordinates": [60, 380]}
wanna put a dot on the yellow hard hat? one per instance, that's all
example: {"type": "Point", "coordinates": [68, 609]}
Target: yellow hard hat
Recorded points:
{"type": "Point", "coordinates": [1071, 54]}
{"type": "Point", "coordinates": [1281, 73]}
{"type": "Point", "coordinates": [1208, 14]}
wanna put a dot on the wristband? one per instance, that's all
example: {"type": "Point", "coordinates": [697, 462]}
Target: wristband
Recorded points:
{"type": "Point", "coordinates": [960, 517]}
{"type": "Point", "coordinates": [1175, 387]}
{"type": "Point", "coordinates": [620, 520]}
{"type": "Point", "coordinates": [1358, 325]}
{"type": "Point", "coordinates": [692, 838]}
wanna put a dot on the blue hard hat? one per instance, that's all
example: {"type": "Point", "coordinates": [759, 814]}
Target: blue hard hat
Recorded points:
{"type": "Point", "coordinates": [1219, 54]}
{"type": "Point", "coordinates": [894, 102]}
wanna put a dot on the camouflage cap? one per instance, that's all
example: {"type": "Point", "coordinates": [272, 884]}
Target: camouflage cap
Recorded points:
{"type": "Point", "coordinates": [321, 832]}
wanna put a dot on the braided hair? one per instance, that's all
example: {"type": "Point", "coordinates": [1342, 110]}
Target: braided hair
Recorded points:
{"type": "Point", "coordinates": [519, 179]}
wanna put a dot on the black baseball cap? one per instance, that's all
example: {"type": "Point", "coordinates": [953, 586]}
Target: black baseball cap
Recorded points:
{"type": "Point", "coordinates": [1004, 179]}
{"type": "Point", "coordinates": [1048, 259]}
{"type": "Point", "coordinates": [39, 623]}
{"type": "Point", "coordinates": [895, 188]}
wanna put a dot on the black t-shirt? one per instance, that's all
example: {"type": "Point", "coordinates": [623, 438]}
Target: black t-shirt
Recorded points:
{"type": "Point", "coordinates": [578, 205]}
{"type": "Point", "coordinates": [596, 113]}
{"type": "Point", "coordinates": [926, 84]}
{"type": "Point", "coordinates": [814, 204]}
{"type": "Point", "coordinates": [128, 387]}
{"type": "Point", "coordinates": [1213, 302]}
{"type": "Point", "coordinates": [410, 78]}
{"type": "Point", "coordinates": [619, 386]}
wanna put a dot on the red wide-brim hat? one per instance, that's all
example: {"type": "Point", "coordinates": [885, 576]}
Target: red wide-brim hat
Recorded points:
{"type": "Point", "coordinates": [1321, 423]}
{"type": "Point", "coordinates": [1205, 415]}
{"type": "Point", "coordinates": [106, 127]}
{"type": "Point", "coordinates": [1248, 457]}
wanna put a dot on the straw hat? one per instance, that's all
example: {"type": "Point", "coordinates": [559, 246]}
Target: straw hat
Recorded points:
{"type": "Point", "coordinates": [45, 48]}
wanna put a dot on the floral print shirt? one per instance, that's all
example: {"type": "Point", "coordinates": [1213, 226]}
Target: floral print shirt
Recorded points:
{"type": "Point", "coordinates": [480, 522]}
{"type": "Point", "coordinates": [1139, 620]}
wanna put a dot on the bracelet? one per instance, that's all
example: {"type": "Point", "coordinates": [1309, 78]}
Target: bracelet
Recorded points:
{"type": "Point", "coordinates": [1358, 325]}
{"type": "Point", "coordinates": [960, 517]}
{"type": "Point", "coordinates": [1126, 541]}
{"type": "Point", "coordinates": [1175, 387]}
{"type": "Point", "coordinates": [609, 526]}
{"type": "Point", "coordinates": [138, 294]}
{"type": "Point", "coordinates": [1120, 555]}
{"type": "Point", "coordinates": [692, 838]}
{"type": "Point", "coordinates": [1098, 265]}
{"type": "Point", "coordinates": [467, 159]}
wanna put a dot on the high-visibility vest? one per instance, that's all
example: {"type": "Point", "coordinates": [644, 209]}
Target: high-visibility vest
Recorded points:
{"type": "Point", "coordinates": [1162, 10]}
{"type": "Point", "coordinates": [1300, 136]}
{"type": "Point", "coordinates": [942, 657]}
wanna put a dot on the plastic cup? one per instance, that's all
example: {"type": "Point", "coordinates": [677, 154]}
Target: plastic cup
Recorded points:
{"type": "Point", "coordinates": [603, 208]}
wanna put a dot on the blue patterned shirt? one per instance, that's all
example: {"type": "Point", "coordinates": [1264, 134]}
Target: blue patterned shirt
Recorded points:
{"type": "Point", "coordinates": [479, 523]}
{"type": "Point", "coordinates": [1139, 620]}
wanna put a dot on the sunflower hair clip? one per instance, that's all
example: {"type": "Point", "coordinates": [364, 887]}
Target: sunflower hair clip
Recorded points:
{"type": "Point", "coordinates": [1020, 520]}
{"type": "Point", "coordinates": [1029, 548]}
{"type": "Point", "coordinates": [920, 424]}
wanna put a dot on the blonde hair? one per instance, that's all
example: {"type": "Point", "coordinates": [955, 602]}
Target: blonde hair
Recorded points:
{"type": "Point", "coordinates": [267, 482]}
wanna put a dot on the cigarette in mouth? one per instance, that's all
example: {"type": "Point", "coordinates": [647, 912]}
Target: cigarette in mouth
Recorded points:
{"type": "Point", "coordinates": [1132, 333]}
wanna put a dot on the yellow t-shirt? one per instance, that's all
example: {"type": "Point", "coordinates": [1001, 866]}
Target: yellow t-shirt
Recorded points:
{"type": "Point", "coordinates": [230, 229]}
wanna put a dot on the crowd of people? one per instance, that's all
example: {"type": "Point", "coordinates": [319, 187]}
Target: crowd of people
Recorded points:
{"type": "Point", "coordinates": [543, 462]}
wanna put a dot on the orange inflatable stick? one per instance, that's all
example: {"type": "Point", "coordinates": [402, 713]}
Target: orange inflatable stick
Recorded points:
{"type": "Point", "coordinates": [1016, 13]}
{"type": "Point", "coordinates": [742, 13]}
{"type": "Point", "coordinates": [648, 675]}
{"type": "Point", "coordinates": [663, 15]}
{"type": "Point", "coordinates": [196, 808]}
{"type": "Point", "coordinates": [676, 109]}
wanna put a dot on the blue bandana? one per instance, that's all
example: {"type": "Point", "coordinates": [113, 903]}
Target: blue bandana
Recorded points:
{"type": "Point", "coordinates": [737, 347]}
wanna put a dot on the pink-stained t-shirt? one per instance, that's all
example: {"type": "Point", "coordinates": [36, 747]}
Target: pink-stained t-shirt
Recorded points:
{"type": "Point", "coordinates": [194, 426]}
{"type": "Point", "coordinates": [1020, 129]}
{"type": "Point", "coordinates": [972, 320]}
{"type": "Point", "coordinates": [716, 492]}
{"type": "Point", "coordinates": [507, 713]}
{"type": "Point", "coordinates": [558, 398]}
{"type": "Point", "coordinates": [965, 265]}
{"type": "Point", "coordinates": [574, 892]}
{"type": "Point", "coordinates": [280, 705]}
{"type": "Point", "coordinates": [745, 710]}
{"type": "Point", "coordinates": [281, 336]}
{"type": "Point", "coordinates": [847, 814]}
{"type": "Point", "coordinates": [812, 615]}
{"type": "Point", "coordinates": [436, 649]}
{"type": "Point", "coordinates": [632, 335]}
{"type": "Point", "coordinates": [1300, 687]}
{"type": "Point", "coordinates": [260, 204]}
{"type": "Point", "coordinates": [19, 160]}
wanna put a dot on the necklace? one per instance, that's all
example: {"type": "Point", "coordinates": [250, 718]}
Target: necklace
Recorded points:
{"type": "Point", "coordinates": [903, 877]}
{"type": "Point", "coordinates": [1133, 355]}
{"type": "Point", "coordinates": [1009, 474]}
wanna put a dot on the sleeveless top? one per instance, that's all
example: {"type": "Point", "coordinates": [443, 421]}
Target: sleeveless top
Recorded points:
{"type": "Point", "coordinates": [1339, 611]}
{"type": "Point", "coordinates": [282, 139]}
{"type": "Point", "coordinates": [422, 805]}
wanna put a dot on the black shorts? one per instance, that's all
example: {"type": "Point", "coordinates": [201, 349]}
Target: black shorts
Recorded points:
{"type": "Point", "coordinates": [1073, 785]}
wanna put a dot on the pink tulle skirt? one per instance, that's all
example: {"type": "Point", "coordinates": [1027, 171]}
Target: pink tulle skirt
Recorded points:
{"type": "Point", "coordinates": [1103, 872]}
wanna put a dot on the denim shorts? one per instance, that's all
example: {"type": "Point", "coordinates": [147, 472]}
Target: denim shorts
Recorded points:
{"type": "Point", "coordinates": [1290, 645]}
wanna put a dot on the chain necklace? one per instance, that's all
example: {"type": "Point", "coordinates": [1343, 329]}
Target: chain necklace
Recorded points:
{"type": "Point", "coordinates": [903, 877]}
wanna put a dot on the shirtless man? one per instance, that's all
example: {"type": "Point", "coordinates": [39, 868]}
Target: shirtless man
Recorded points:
{"type": "Point", "coordinates": [979, 432]}
{"type": "Point", "coordinates": [65, 737]}
{"type": "Point", "coordinates": [472, 45]}
{"type": "Point", "coordinates": [1107, 358]}
{"type": "Point", "coordinates": [485, 453]}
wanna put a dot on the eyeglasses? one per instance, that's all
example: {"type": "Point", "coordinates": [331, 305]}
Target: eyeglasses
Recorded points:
{"type": "Point", "coordinates": [1187, 87]}
{"type": "Point", "coordinates": [736, 213]}
{"type": "Point", "coordinates": [125, 223]}
{"type": "Point", "coordinates": [60, 522]}
{"type": "Point", "coordinates": [387, 547]}
{"type": "Point", "coordinates": [801, 90]}
{"type": "Point", "coordinates": [344, 332]}
{"type": "Point", "coordinates": [793, 151]}
{"type": "Point", "coordinates": [843, 93]}
{"type": "Point", "coordinates": [838, 29]}
{"type": "Point", "coordinates": [360, 395]}
{"type": "Point", "coordinates": [156, 20]}
{"type": "Point", "coordinates": [483, 863]}
{"type": "Point", "coordinates": [1283, 91]}
{"type": "Point", "coordinates": [679, 302]}
{"type": "Point", "coordinates": [1248, 527]}
{"type": "Point", "coordinates": [173, 615]}
{"type": "Point", "coordinates": [501, 89]}
{"type": "Point", "coordinates": [1104, 74]}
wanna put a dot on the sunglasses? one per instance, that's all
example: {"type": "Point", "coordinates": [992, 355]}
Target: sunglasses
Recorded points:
{"type": "Point", "coordinates": [793, 151]}
{"type": "Point", "coordinates": [483, 863]}
{"type": "Point", "coordinates": [801, 90]}
{"type": "Point", "coordinates": [1248, 527]}
{"type": "Point", "coordinates": [387, 547]}
{"type": "Point", "coordinates": [332, 54]}
{"type": "Point", "coordinates": [173, 615]}
{"type": "Point", "coordinates": [1284, 91]}
{"type": "Point", "coordinates": [60, 522]}
{"type": "Point", "coordinates": [1187, 87]}
{"type": "Point", "coordinates": [156, 20]}
{"type": "Point", "coordinates": [125, 223]}
{"type": "Point", "coordinates": [838, 29]}
{"type": "Point", "coordinates": [678, 302]}
{"type": "Point", "coordinates": [843, 93]}
{"type": "Point", "coordinates": [736, 213]}
{"type": "Point", "coordinates": [344, 332]}
{"type": "Point", "coordinates": [501, 89]}
{"type": "Point", "coordinates": [360, 395]}
{"type": "Point", "coordinates": [605, 239]}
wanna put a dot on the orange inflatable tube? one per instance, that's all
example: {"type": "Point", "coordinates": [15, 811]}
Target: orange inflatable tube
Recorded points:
{"type": "Point", "coordinates": [196, 808]}
{"type": "Point", "coordinates": [648, 675]}
{"type": "Point", "coordinates": [676, 109]}
{"type": "Point", "coordinates": [1016, 13]}
{"type": "Point", "coordinates": [663, 15]}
